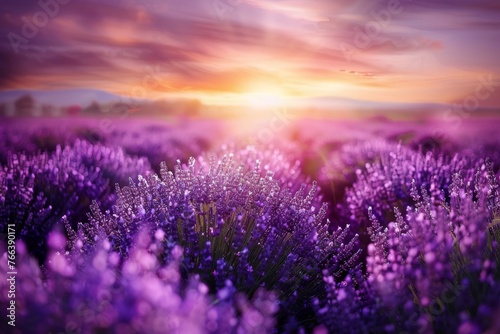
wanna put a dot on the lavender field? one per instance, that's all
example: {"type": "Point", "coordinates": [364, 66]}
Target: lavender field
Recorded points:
{"type": "Point", "coordinates": [249, 166]}
{"type": "Point", "coordinates": [331, 227]}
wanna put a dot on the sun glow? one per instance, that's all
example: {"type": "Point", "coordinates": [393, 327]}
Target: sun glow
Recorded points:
{"type": "Point", "coordinates": [263, 95]}
{"type": "Point", "coordinates": [260, 100]}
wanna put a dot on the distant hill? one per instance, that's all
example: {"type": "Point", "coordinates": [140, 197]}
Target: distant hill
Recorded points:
{"type": "Point", "coordinates": [61, 98]}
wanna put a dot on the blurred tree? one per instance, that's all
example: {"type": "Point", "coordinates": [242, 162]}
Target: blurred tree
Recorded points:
{"type": "Point", "coordinates": [93, 109]}
{"type": "Point", "coordinates": [25, 105]}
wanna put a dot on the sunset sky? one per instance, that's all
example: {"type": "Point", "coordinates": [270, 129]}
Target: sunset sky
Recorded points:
{"type": "Point", "coordinates": [246, 51]}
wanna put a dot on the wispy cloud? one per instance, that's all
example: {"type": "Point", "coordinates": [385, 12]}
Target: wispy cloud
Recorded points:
{"type": "Point", "coordinates": [305, 48]}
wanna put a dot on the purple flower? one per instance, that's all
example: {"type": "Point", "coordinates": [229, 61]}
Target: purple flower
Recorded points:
{"type": "Point", "coordinates": [341, 165]}
{"type": "Point", "coordinates": [442, 258]}
{"type": "Point", "coordinates": [392, 180]}
{"type": "Point", "coordinates": [235, 222]}
{"type": "Point", "coordinates": [37, 192]}
{"type": "Point", "coordinates": [164, 143]}
{"type": "Point", "coordinates": [112, 162]}
{"type": "Point", "coordinates": [286, 167]}
{"type": "Point", "coordinates": [136, 295]}
{"type": "Point", "coordinates": [21, 138]}
{"type": "Point", "coordinates": [349, 306]}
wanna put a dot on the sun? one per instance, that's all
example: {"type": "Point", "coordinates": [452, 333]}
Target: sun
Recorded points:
{"type": "Point", "coordinates": [261, 100]}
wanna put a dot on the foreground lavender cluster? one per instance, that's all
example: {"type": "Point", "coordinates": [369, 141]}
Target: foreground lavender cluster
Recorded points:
{"type": "Point", "coordinates": [138, 295]}
{"type": "Point", "coordinates": [395, 176]}
{"type": "Point", "coordinates": [432, 254]}
{"type": "Point", "coordinates": [438, 266]}
{"type": "Point", "coordinates": [285, 169]}
{"type": "Point", "coordinates": [340, 166]}
{"type": "Point", "coordinates": [37, 191]}
{"type": "Point", "coordinates": [235, 223]}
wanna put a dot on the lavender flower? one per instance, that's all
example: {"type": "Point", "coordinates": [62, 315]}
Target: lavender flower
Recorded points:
{"type": "Point", "coordinates": [17, 139]}
{"type": "Point", "coordinates": [442, 259]}
{"type": "Point", "coordinates": [138, 295]}
{"type": "Point", "coordinates": [392, 181]}
{"type": "Point", "coordinates": [341, 165]}
{"type": "Point", "coordinates": [350, 306]}
{"type": "Point", "coordinates": [284, 165]}
{"type": "Point", "coordinates": [112, 162]}
{"type": "Point", "coordinates": [339, 168]}
{"type": "Point", "coordinates": [36, 192]}
{"type": "Point", "coordinates": [235, 223]}
{"type": "Point", "coordinates": [164, 143]}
